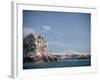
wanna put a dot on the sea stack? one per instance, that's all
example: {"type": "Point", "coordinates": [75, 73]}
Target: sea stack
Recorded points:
{"type": "Point", "coordinates": [35, 44]}
{"type": "Point", "coordinates": [35, 49]}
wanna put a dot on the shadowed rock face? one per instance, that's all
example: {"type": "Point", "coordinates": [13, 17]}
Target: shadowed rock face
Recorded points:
{"type": "Point", "coordinates": [29, 44]}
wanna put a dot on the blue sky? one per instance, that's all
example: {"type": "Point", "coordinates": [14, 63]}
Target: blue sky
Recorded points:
{"type": "Point", "coordinates": [62, 30]}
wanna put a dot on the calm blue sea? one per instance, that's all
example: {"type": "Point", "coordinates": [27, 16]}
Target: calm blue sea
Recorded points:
{"type": "Point", "coordinates": [60, 63]}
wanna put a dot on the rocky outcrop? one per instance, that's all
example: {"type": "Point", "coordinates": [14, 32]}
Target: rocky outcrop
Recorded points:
{"type": "Point", "coordinates": [35, 49]}
{"type": "Point", "coordinates": [35, 44]}
{"type": "Point", "coordinates": [40, 59]}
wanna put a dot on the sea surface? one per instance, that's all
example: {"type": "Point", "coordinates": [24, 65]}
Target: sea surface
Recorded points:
{"type": "Point", "coordinates": [57, 64]}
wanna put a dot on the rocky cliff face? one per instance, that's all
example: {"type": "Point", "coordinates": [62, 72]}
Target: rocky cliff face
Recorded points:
{"type": "Point", "coordinates": [35, 44]}
{"type": "Point", "coordinates": [35, 49]}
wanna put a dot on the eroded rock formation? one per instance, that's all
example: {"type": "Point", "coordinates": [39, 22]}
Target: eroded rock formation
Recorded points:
{"type": "Point", "coordinates": [35, 49]}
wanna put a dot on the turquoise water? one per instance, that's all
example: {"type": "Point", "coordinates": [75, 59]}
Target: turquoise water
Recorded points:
{"type": "Point", "coordinates": [60, 63]}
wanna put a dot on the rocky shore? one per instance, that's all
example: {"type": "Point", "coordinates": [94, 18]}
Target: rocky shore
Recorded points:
{"type": "Point", "coordinates": [52, 58]}
{"type": "Point", "coordinates": [40, 59]}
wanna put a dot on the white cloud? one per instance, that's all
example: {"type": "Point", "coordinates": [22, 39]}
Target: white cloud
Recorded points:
{"type": "Point", "coordinates": [46, 27]}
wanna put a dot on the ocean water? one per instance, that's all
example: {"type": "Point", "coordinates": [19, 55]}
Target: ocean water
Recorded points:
{"type": "Point", "coordinates": [57, 64]}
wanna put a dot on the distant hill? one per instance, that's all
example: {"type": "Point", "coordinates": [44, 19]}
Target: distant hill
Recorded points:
{"type": "Point", "coordinates": [71, 52]}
